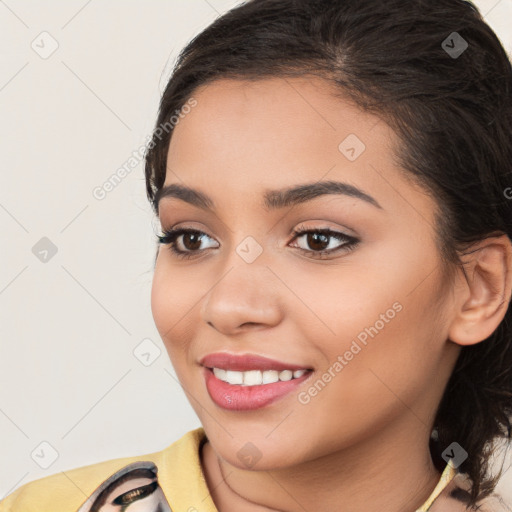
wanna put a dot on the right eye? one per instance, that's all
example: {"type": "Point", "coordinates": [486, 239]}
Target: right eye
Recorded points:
{"type": "Point", "coordinates": [190, 243]}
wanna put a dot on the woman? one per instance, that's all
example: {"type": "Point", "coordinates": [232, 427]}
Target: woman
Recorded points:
{"type": "Point", "coordinates": [334, 274]}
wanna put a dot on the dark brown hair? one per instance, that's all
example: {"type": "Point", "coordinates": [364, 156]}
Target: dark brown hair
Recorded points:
{"type": "Point", "coordinates": [452, 112]}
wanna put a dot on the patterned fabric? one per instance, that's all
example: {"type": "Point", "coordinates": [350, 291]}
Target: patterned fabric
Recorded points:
{"type": "Point", "coordinates": [134, 487]}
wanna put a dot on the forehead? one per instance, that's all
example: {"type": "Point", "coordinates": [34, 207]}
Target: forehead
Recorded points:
{"type": "Point", "coordinates": [244, 137]}
{"type": "Point", "coordinates": [295, 118]}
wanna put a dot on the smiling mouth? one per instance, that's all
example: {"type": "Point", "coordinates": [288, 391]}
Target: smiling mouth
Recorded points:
{"type": "Point", "coordinates": [245, 382]}
{"type": "Point", "coordinates": [257, 377]}
{"type": "Point", "coordinates": [249, 390]}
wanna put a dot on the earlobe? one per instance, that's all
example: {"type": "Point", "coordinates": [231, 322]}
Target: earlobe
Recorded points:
{"type": "Point", "coordinates": [484, 297]}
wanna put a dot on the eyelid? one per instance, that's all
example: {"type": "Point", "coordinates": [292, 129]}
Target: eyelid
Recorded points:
{"type": "Point", "coordinates": [322, 226]}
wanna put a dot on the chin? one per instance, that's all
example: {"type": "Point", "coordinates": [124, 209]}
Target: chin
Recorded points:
{"type": "Point", "coordinates": [256, 451]}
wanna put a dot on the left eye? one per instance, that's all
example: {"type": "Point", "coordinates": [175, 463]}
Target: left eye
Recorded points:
{"type": "Point", "coordinates": [323, 241]}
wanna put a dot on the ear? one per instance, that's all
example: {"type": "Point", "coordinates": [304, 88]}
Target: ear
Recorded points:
{"type": "Point", "coordinates": [483, 294]}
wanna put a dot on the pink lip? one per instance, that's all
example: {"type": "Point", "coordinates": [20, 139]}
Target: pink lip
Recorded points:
{"type": "Point", "coordinates": [246, 362]}
{"type": "Point", "coordinates": [246, 398]}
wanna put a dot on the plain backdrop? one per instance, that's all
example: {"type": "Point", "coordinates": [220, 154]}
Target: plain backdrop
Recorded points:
{"type": "Point", "coordinates": [80, 83]}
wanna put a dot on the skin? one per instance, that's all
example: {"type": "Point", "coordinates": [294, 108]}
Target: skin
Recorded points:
{"type": "Point", "coordinates": [362, 442]}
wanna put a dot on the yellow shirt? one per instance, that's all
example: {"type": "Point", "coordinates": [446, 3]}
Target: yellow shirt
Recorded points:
{"type": "Point", "coordinates": [169, 480]}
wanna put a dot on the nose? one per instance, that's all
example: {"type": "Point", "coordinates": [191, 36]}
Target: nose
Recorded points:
{"type": "Point", "coordinates": [247, 296]}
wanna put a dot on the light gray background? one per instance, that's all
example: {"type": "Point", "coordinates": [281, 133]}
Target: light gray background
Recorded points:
{"type": "Point", "coordinates": [69, 326]}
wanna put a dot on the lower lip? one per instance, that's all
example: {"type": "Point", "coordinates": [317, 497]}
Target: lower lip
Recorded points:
{"type": "Point", "coordinates": [248, 398]}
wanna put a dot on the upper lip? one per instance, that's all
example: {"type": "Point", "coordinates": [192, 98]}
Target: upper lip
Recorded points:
{"type": "Point", "coordinates": [246, 362]}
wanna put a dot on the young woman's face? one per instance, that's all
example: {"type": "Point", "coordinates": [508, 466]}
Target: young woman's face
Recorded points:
{"type": "Point", "coordinates": [364, 309]}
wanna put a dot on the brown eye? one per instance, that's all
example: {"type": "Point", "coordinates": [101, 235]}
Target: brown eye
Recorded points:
{"type": "Point", "coordinates": [323, 242]}
{"type": "Point", "coordinates": [192, 241]}
{"type": "Point", "coordinates": [184, 242]}
{"type": "Point", "coordinates": [317, 241]}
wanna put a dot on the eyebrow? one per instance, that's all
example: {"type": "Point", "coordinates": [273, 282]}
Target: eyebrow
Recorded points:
{"type": "Point", "coordinates": [272, 199]}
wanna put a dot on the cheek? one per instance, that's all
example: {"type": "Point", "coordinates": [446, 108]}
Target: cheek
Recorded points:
{"type": "Point", "coordinates": [171, 306]}
{"type": "Point", "coordinates": [160, 300]}
{"type": "Point", "coordinates": [172, 300]}
{"type": "Point", "coordinates": [385, 321]}
{"type": "Point", "coordinates": [364, 386]}
{"type": "Point", "coordinates": [394, 286]}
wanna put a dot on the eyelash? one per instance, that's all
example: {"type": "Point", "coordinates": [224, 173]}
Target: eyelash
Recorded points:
{"type": "Point", "coordinates": [169, 238]}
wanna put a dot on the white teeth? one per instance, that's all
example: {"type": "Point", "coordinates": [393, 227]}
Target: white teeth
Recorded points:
{"type": "Point", "coordinates": [234, 377]}
{"type": "Point", "coordinates": [253, 378]}
{"type": "Point", "coordinates": [256, 377]}
{"type": "Point", "coordinates": [270, 376]}
{"type": "Point", "coordinates": [286, 375]}
{"type": "Point", "coordinates": [219, 373]}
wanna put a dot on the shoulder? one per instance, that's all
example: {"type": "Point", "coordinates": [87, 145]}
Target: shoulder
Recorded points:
{"type": "Point", "coordinates": [113, 481]}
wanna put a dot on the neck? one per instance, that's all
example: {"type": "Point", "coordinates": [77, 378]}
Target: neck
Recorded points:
{"type": "Point", "coordinates": [387, 472]}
